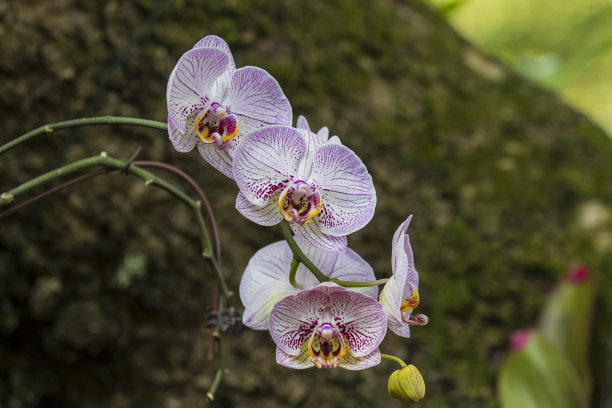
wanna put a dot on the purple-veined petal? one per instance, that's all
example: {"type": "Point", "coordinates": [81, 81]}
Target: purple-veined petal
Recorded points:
{"type": "Point", "coordinates": [350, 362]}
{"type": "Point", "coordinates": [299, 362]}
{"type": "Point", "coordinates": [346, 190]}
{"type": "Point", "coordinates": [257, 313]}
{"type": "Point", "coordinates": [256, 95]}
{"type": "Point", "coordinates": [267, 266]}
{"type": "Point", "coordinates": [293, 319]}
{"type": "Point", "coordinates": [391, 299]}
{"type": "Point", "coordinates": [401, 284]}
{"type": "Point", "coordinates": [312, 145]}
{"type": "Point", "coordinates": [310, 234]}
{"type": "Point", "coordinates": [220, 159]}
{"type": "Point", "coordinates": [402, 257]}
{"type": "Point", "coordinates": [266, 215]}
{"type": "Point", "coordinates": [266, 160]}
{"type": "Point", "coordinates": [350, 266]}
{"type": "Point", "coordinates": [323, 134]}
{"type": "Point", "coordinates": [220, 87]}
{"type": "Point", "coordinates": [190, 84]}
{"type": "Point", "coordinates": [302, 123]}
{"type": "Point", "coordinates": [361, 320]}
{"type": "Point", "coordinates": [182, 142]}
{"type": "Point", "coordinates": [212, 41]}
{"type": "Point", "coordinates": [323, 259]}
{"type": "Point", "coordinates": [334, 140]}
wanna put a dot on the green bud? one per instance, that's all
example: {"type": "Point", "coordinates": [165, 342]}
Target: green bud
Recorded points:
{"type": "Point", "coordinates": [407, 384]}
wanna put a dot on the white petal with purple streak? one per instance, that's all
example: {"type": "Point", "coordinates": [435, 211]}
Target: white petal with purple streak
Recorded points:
{"type": "Point", "coordinates": [220, 159]}
{"type": "Point", "coordinates": [361, 320]}
{"type": "Point", "coordinates": [294, 318]}
{"type": "Point", "coordinates": [351, 362]}
{"type": "Point", "coordinates": [182, 142]}
{"type": "Point", "coordinates": [346, 189]}
{"type": "Point", "coordinates": [311, 234]}
{"type": "Point", "coordinates": [266, 160]}
{"type": "Point", "coordinates": [190, 85]}
{"type": "Point", "coordinates": [255, 94]}
{"type": "Point", "coordinates": [266, 215]}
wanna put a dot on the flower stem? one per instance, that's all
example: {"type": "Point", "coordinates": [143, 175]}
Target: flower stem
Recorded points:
{"type": "Point", "coordinates": [220, 370]}
{"type": "Point", "coordinates": [103, 159]}
{"type": "Point", "coordinates": [294, 265]}
{"type": "Point", "coordinates": [299, 256]}
{"type": "Point", "coordinates": [99, 120]}
{"type": "Point", "coordinates": [393, 358]}
{"type": "Point", "coordinates": [351, 284]}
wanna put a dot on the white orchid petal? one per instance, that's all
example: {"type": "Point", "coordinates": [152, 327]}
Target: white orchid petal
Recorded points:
{"type": "Point", "coordinates": [220, 159]}
{"type": "Point", "coordinates": [351, 362]}
{"type": "Point", "coordinates": [267, 266]}
{"type": "Point", "coordinates": [257, 314]}
{"type": "Point", "coordinates": [299, 362]}
{"type": "Point", "coordinates": [346, 189]}
{"type": "Point", "coordinates": [266, 215]}
{"type": "Point", "coordinates": [213, 41]}
{"type": "Point", "coordinates": [361, 319]}
{"type": "Point", "coordinates": [266, 160]}
{"type": "Point", "coordinates": [302, 123]}
{"type": "Point", "coordinates": [293, 319]}
{"type": "Point", "coordinates": [311, 234]}
{"type": "Point", "coordinates": [350, 266]}
{"type": "Point", "coordinates": [190, 85]}
{"type": "Point", "coordinates": [254, 94]}
{"type": "Point", "coordinates": [182, 142]}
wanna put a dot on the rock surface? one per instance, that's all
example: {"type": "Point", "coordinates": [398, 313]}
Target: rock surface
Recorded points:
{"type": "Point", "coordinates": [103, 294]}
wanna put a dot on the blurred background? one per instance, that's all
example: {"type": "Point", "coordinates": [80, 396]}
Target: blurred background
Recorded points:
{"type": "Point", "coordinates": [103, 294]}
{"type": "Point", "coordinates": [564, 46]}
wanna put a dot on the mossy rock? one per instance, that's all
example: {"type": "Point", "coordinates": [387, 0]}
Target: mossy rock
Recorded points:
{"type": "Point", "coordinates": [509, 187]}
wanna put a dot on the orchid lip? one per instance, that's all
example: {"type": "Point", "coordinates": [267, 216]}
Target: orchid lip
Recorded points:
{"type": "Point", "coordinates": [326, 345]}
{"type": "Point", "coordinates": [299, 202]}
{"type": "Point", "coordinates": [216, 125]}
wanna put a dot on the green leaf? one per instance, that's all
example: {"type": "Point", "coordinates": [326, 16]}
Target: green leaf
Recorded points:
{"type": "Point", "coordinates": [538, 375]}
{"type": "Point", "coordinates": [566, 319]}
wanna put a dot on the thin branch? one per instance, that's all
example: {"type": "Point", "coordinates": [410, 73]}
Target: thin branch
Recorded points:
{"type": "Point", "coordinates": [299, 256]}
{"type": "Point", "coordinates": [393, 358]}
{"type": "Point", "coordinates": [294, 265]}
{"type": "Point", "coordinates": [150, 179]}
{"type": "Point", "coordinates": [53, 190]}
{"type": "Point", "coordinates": [99, 120]}
{"type": "Point", "coordinates": [209, 212]}
{"type": "Point", "coordinates": [220, 371]}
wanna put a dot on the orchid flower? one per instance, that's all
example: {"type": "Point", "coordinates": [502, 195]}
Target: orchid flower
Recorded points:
{"type": "Point", "coordinates": [400, 295]}
{"type": "Point", "coordinates": [212, 104]}
{"type": "Point", "coordinates": [323, 133]}
{"type": "Point", "coordinates": [266, 280]}
{"type": "Point", "coordinates": [326, 327]}
{"type": "Point", "coordinates": [322, 188]}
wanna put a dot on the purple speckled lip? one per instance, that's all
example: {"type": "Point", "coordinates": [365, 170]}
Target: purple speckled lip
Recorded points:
{"type": "Point", "coordinates": [299, 202]}
{"type": "Point", "coordinates": [327, 327]}
{"type": "Point", "coordinates": [216, 125]}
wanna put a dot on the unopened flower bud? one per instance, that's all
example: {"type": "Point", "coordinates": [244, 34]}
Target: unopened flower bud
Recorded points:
{"type": "Point", "coordinates": [407, 384]}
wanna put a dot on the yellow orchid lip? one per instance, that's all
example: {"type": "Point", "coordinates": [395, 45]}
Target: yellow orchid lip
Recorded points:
{"type": "Point", "coordinates": [326, 346]}
{"type": "Point", "coordinates": [216, 125]}
{"type": "Point", "coordinates": [411, 302]}
{"type": "Point", "coordinates": [299, 203]}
